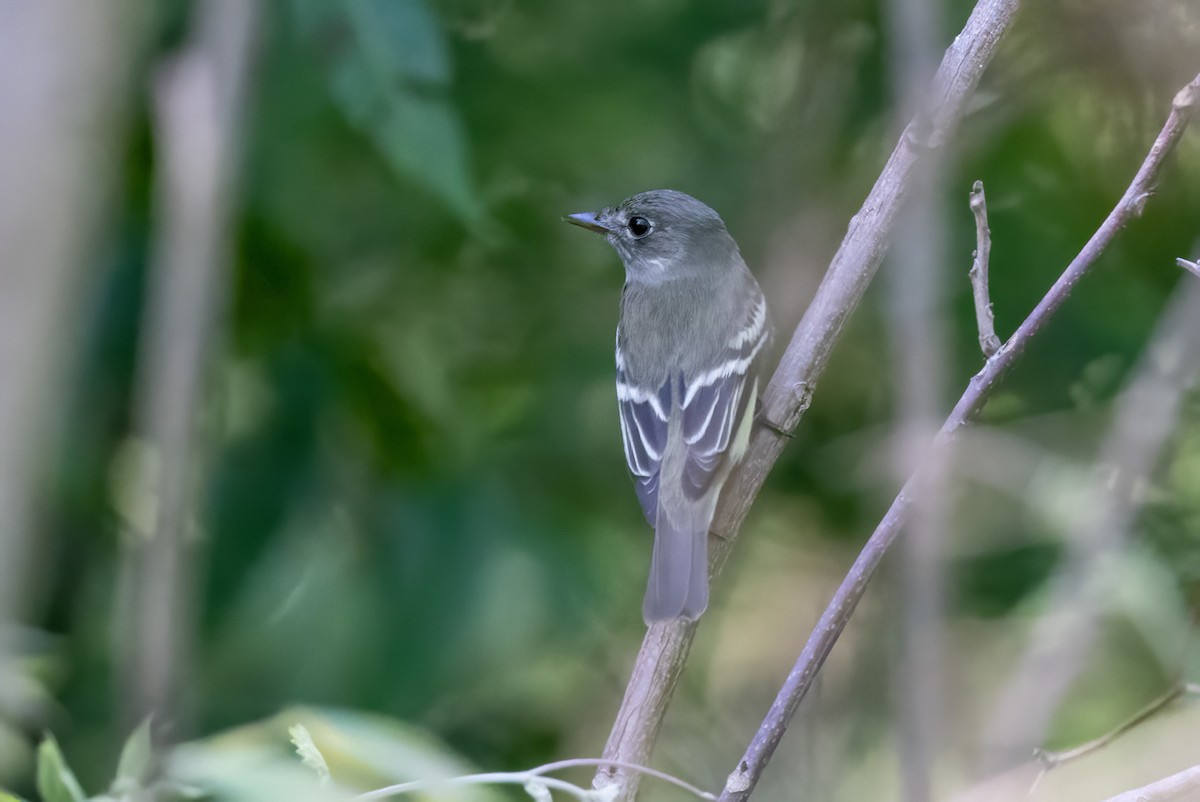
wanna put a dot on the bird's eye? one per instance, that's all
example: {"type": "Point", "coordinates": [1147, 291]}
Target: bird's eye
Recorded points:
{"type": "Point", "coordinates": [639, 226]}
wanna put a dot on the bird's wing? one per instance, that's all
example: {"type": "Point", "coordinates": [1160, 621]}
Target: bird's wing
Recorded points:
{"type": "Point", "coordinates": [644, 415]}
{"type": "Point", "coordinates": [714, 403]}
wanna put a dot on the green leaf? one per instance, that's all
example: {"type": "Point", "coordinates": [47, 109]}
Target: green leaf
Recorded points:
{"type": "Point", "coordinates": [309, 754]}
{"type": "Point", "coordinates": [389, 74]}
{"type": "Point", "coordinates": [55, 780]}
{"type": "Point", "coordinates": [5, 796]}
{"type": "Point", "coordinates": [137, 760]}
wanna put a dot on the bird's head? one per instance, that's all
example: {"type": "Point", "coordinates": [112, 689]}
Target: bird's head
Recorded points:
{"type": "Point", "coordinates": [662, 235]}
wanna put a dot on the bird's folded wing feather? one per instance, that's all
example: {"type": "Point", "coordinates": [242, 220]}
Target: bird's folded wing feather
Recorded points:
{"type": "Point", "coordinates": [712, 404]}
{"type": "Point", "coordinates": [644, 416]}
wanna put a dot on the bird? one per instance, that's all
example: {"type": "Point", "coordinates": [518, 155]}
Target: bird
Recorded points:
{"type": "Point", "coordinates": [691, 337]}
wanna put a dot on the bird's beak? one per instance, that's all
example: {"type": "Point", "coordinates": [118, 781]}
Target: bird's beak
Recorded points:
{"type": "Point", "coordinates": [588, 220]}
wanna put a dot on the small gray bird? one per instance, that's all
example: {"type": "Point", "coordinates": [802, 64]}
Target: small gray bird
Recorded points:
{"type": "Point", "coordinates": [692, 332]}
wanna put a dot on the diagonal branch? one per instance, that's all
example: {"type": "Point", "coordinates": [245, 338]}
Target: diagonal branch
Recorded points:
{"type": "Point", "coordinates": [665, 648]}
{"type": "Point", "coordinates": [1184, 785]}
{"type": "Point", "coordinates": [1146, 414]}
{"type": "Point", "coordinates": [1052, 760]}
{"type": "Point", "coordinates": [741, 782]}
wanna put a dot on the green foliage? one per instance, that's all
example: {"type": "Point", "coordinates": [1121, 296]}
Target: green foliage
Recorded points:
{"type": "Point", "coordinates": [320, 754]}
{"type": "Point", "coordinates": [137, 761]}
{"type": "Point", "coordinates": [135, 779]}
{"type": "Point", "coordinates": [413, 497]}
{"type": "Point", "coordinates": [389, 72]}
{"type": "Point", "coordinates": [55, 780]}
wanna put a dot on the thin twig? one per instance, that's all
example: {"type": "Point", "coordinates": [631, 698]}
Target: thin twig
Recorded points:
{"type": "Point", "coordinates": [988, 340]}
{"type": "Point", "coordinates": [644, 770]}
{"type": "Point", "coordinates": [1184, 785]}
{"type": "Point", "coordinates": [665, 648]}
{"type": "Point", "coordinates": [741, 782]}
{"type": "Point", "coordinates": [1052, 760]}
{"type": "Point", "coordinates": [535, 775]}
{"type": "Point", "coordinates": [522, 778]}
{"type": "Point", "coordinates": [1189, 265]}
{"type": "Point", "coordinates": [1146, 414]}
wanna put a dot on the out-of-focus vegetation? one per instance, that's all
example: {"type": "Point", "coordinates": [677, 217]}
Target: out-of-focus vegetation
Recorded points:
{"type": "Point", "coordinates": [414, 501]}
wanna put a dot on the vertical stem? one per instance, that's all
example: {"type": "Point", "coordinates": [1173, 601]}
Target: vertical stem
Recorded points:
{"type": "Point", "coordinates": [988, 341]}
{"type": "Point", "coordinates": [65, 70]}
{"type": "Point", "coordinates": [918, 352]}
{"type": "Point", "coordinates": [198, 103]}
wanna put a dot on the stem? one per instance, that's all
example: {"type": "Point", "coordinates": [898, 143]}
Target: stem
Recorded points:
{"type": "Point", "coordinates": [988, 340]}
{"type": "Point", "coordinates": [1052, 759]}
{"type": "Point", "coordinates": [1146, 413]}
{"type": "Point", "coordinates": [665, 648]}
{"type": "Point", "coordinates": [742, 781]}
{"type": "Point", "coordinates": [1183, 785]}
{"type": "Point", "coordinates": [533, 775]}
{"type": "Point", "coordinates": [198, 105]}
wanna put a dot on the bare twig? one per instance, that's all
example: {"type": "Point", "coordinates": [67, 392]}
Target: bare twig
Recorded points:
{"type": "Point", "coordinates": [198, 113]}
{"type": "Point", "coordinates": [1146, 414]}
{"type": "Point", "coordinates": [988, 340]}
{"type": "Point", "coordinates": [665, 647]}
{"type": "Point", "coordinates": [1051, 760]}
{"type": "Point", "coordinates": [741, 782]}
{"type": "Point", "coordinates": [535, 775]}
{"type": "Point", "coordinates": [1184, 785]}
{"type": "Point", "coordinates": [1189, 265]}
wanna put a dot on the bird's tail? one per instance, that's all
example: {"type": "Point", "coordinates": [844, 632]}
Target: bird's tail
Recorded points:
{"type": "Point", "coordinates": [678, 585]}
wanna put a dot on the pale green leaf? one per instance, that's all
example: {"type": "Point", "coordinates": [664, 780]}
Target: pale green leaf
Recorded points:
{"type": "Point", "coordinates": [390, 76]}
{"type": "Point", "coordinates": [309, 754]}
{"type": "Point", "coordinates": [137, 760]}
{"type": "Point", "coordinates": [55, 780]}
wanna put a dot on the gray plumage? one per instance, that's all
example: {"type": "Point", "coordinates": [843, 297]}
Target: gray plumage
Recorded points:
{"type": "Point", "coordinates": [692, 331]}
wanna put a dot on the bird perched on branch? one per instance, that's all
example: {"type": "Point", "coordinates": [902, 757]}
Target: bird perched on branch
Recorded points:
{"type": "Point", "coordinates": [692, 332]}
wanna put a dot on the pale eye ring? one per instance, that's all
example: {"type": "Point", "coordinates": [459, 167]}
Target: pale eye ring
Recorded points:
{"type": "Point", "coordinates": [639, 226]}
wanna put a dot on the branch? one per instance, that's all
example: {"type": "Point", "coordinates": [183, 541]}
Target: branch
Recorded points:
{"type": "Point", "coordinates": [1184, 785]}
{"type": "Point", "coordinates": [534, 777]}
{"type": "Point", "coordinates": [1146, 414]}
{"type": "Point", "coordinates": [1051, 760]}
{"type": "Point", "coordinates": [741, 782]}
{"type": "Point", "coordinates": [665, 648]}
{"type": "Point", "coordinates": [988, 340]}
{"type": "Point", "coordinates": [1189, 265]}
{"type": "Point", "coordinates": [198, 103]}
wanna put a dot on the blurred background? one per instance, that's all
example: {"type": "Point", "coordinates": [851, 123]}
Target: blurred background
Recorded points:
{"type": "Point", "coordinates": [307, 392]}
